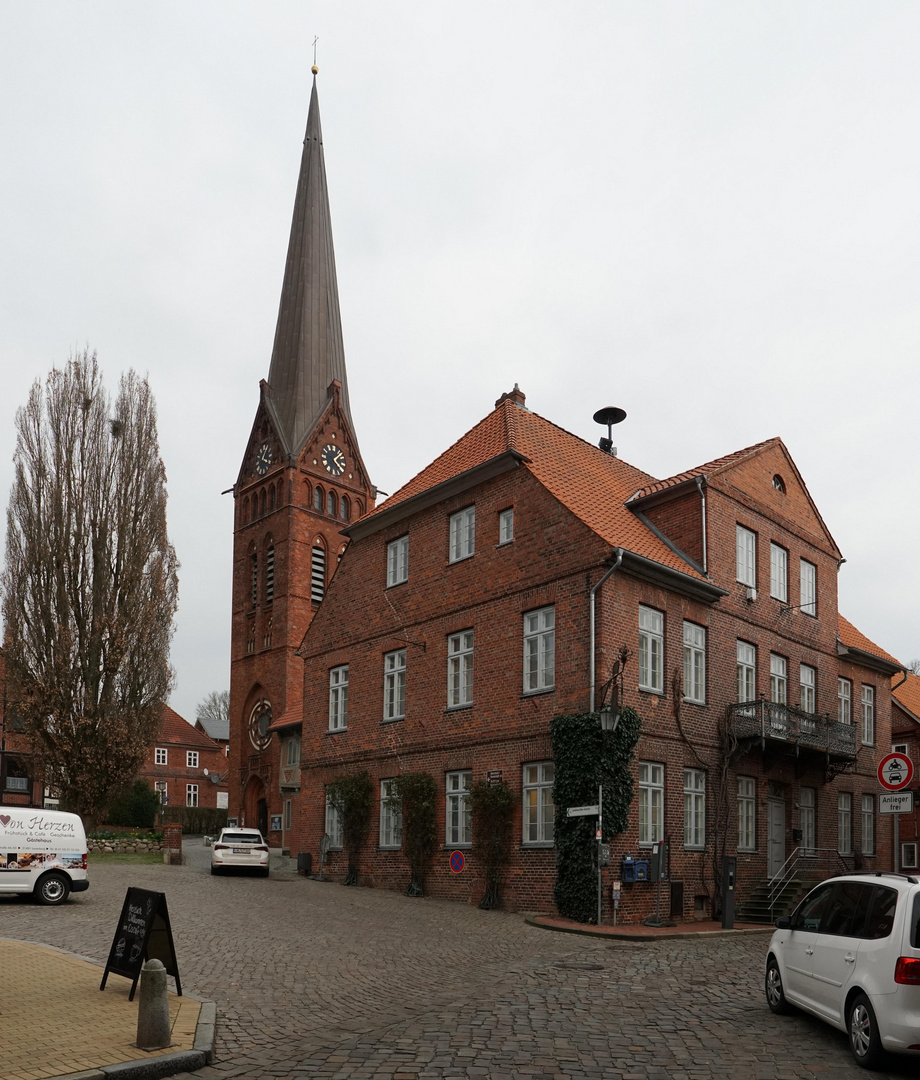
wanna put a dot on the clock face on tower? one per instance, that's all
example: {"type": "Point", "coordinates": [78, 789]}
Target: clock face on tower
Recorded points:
{"type": "Point", "coordinates": [263, 459]}
{"type": "Point", "coordinates": [333, 460]}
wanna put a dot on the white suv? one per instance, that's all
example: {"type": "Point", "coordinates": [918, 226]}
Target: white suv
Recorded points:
{"type": "Point", "coordinates": [850, 954]}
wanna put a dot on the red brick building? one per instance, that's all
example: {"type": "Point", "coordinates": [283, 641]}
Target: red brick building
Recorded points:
{"type": "Point", "coordinates": [185, 766]}
{"type": "Point", "coordinates": [905, 737]}
{"type": "Point", "coordinates": [18, 784]}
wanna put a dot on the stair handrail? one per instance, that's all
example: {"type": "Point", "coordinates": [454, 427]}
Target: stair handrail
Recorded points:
{"type": "Point", "coordinates": [802, 858]}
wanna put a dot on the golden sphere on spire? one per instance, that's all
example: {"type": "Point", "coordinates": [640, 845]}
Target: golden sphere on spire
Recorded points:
{"type": "Point", "coordinates": [315, 69]}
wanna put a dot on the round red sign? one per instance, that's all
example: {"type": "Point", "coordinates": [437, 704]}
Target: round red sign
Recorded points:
{"type": "Point", "coordinates": [895, 771]}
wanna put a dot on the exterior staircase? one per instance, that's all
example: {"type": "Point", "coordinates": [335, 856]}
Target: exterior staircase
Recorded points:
{"type": "Point", "coordinates": [755, 907]}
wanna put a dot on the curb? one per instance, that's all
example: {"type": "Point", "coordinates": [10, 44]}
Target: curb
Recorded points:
{"type": "Point", "coordinates": [632, 935]}
{"type": "Point", "coordinates": [163, 1064]}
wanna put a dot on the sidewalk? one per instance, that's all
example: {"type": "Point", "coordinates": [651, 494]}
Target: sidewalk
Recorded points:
{"type": "Point", "coordinates": [706, 928]}
{"type": "Point", "coordinates": [55, 1021]}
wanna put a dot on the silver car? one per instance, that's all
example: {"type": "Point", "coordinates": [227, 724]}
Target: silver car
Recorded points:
{"type": "Point", "coordinates": [850, 954]}
{"type": "Point", "coordinates": [239, 849]}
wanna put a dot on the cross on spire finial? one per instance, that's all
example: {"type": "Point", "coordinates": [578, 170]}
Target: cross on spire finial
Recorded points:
{"type": "Point", "coordinates": [314, 69]}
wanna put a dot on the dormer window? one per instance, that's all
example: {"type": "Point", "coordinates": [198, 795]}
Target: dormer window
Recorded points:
{"type": "Point", "coordinates": [779, 484]}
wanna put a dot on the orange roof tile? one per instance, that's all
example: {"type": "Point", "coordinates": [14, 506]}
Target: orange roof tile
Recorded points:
{"type": "Point", "coordinates": [853, 639]}
{"type": "Point", "coordinates": [175, 729]}
{"type": "Point", "coordinates": [592, 484]}
{"type": "Point", "coordinates": [908, 693]}
{"type": "Point", "coordinates": [709, 469]}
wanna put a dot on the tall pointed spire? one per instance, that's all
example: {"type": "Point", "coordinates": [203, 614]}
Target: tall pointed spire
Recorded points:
{"type": "Point", "coordinates": [308, 352]}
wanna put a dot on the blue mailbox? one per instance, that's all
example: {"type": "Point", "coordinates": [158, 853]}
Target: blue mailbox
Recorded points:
{"type": "Point", "coordinates": [633, 869]}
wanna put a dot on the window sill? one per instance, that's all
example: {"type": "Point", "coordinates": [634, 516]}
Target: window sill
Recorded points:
{"type": "Point", "coordinates": [692, 701]}
{"type": "Point", "coordinates": [536, 693]}
{"type": "Point", "coordinates": [538, 845]}
{"type": "Point", "coordinates": [649, 690]}
{"type": "Point", "coordinates": [457, 847]}
{"type": "Point", "coordinates": [396, 584]}
{"type": "Point", "coordinates": [380, 847]}
{"type": "Point", "coordinates": [459, 708]}
{"type": "Point", "coordinates": [335, 730]}
{"type": "Point", "coordinates": [392, 719]}
{"type": "Point", "coordinates": [505, 543]}
{"type": "Point", "coordinates": [462, 558]}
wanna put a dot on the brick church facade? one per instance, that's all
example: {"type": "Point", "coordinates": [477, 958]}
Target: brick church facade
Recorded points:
{"type": "Point", "coordinates": [495, 591]}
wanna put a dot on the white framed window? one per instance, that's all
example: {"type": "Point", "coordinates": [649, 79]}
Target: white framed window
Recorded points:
{"type": "Point", "coordinates": [651, 650]}
{"type": "Point", "coordinates": [459, 812]}
{"type": "Point", "coordinates": [162, 790]}
{"type": "Point", "coordinates": [844, 698]}
{"type": "Point", "coordinates": [161, 756]}
{"type": "Point", "coordinates": [333, 826]}
{"type": "Point", "coordinates": [778, 679]}
{"type": "Point", "coordinates": [292, 751]}
{"type": "Point", "coordinates": [899, 748]}
{"type": "Point", "coordinates": [747, 813]}
{"type": "Point", "coordinates": [191, 794]}
{"type": "Point", "coordinates": [868, 824]}
{"type": "Point", "coordinates": [651, 803]}
{"type": "Point", "coordinates": [808, 587]}
{"type": "Point", "coordinates": [460, 669]}
{"type": "Point", "coordinates": [394, 685]}
{"type": "Point", "coordinates": [398, 561]}
{"type": "Point", "coordinates": [694, 808]}
{"type": "Point", "coordinates": [779, 573]}
{"type": "Point", "coordinates": [747, 671]}
{"type": "Point", "coordinates": [694, 663]}
{"type": "Point", "coordinates": [390, 816]}
{"type": "Point", "coordinates": [746, 545]}
{"type": "Point", "coordinates": [909, 856]}
{"type": "Point", "coordinates": [462, 534]}
{"type": "Point", "coordinates": [539, 810]}
{"type": "Point", "coordinates": [807, 680]}
{"type": "Point", "coordinates": [868, 715]}
{"type": "Point", "coordinates": [191, 759]}
{"type": "Point", "coordinates": [807, 817]}
{"type": "Point", "coordinates": [845, 823]}
{"type": "Point", "coordinates": [338, 698]}
{"type": "Point", "coordinates": [506, 526]}
{"type": "Point", "coordinates": [539, 649]}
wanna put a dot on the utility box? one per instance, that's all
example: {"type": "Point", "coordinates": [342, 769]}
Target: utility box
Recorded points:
{"type": "Point", "coordinates": [659, 867]}
{"type": "Point", "coordinates": [633, 869]}
{"type": "Point", "coordinates": [729, 872]}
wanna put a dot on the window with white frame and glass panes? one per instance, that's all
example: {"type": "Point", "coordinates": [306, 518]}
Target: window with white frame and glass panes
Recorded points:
{"type": "Point", "coordinates": [808, 587]}
{"type": "Point", "coordinates": [651, 803]}
{"type": "Point", "coordinates": [868, 824]}
{"type": "Point", "coordinates": [747, 671]}
{"type": "Point", "coordinates": [394, 685]}
{"type": "Point", "coordinates": [334, 829]}
{"type": "Point", "coordinates": [292, 751]}
{"type": "Point", "coordinates": [539, 650]}
{"type": "Point", "coordinates": [694, 663]}
{"type": "Point", "coordinates": [779, 573]}
{"type": "Point", "coordinates": [459, 812]}
{"type": "Point", "coordinates": [338, 698]}
{"type": "Point", "coordinates": [807, 818]}
{"type": "Point", "coordinates": [777, 679]}
{"type": "Point", "coordinates": [506, 526]}
{"type": "Point", "coordinates": [398, 561]}
{"type": "Point", "coordinates": [844, 701]}
{"type": "Point", "coordinates": [845, 823]}
{"type": "Point", "coordinates": [746, 545]}
{"type": "Point", "coordinates": [161, 756]}
{"type": "Point", "coordinates": [191, 759]}
{"type": "Point", "coordinates": [694, 808]}
{"type": "Point", "coordinates": [747, 813]}
{"type": "Point", "coordinates": [460, 669]}
{"type": "Point", "coordinates": [651, 650]}
{"type": "Point", "coordinates": [539, 811]}
{"type": "Point", "coordinates": [191, 794]}
{"type": "Point", "coordinates": [390, 815]}
{"type": "Point", "coordinates": [868, 715]}
{"type": "Point", "coordinates": [462, 534]}
{"type": "Point", "coordinates": [909, 856]}
{"type": "Point", "coordinates": [807, 680]}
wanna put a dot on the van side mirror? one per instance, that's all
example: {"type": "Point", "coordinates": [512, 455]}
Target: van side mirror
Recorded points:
{"type": "Point", "coordinates": [784, 922]}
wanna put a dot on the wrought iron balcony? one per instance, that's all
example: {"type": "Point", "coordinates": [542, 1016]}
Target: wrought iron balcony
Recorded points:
{"type": "Point", "coordinates": [768, 720]}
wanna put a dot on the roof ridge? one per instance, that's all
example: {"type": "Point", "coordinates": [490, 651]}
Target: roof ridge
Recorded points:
{"type": "Point", "coordinates": [714, 466]}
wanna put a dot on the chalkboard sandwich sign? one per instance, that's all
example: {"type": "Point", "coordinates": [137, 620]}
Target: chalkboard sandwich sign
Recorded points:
{"type": "Point", "coordinates": [143, 934]}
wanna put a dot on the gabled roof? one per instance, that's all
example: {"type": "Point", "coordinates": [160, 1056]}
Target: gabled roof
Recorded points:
{"type": "Point", "coordinates": [176, 730]}
{"type": "Point", "coordinates": [308, 353]}
{"type": "Point", "coordinates": [907, 694]}
{"type": "Point", "coordinates": [215, 729]}
{"type": "Point", "coordinates": [711, 468]}
{"type": "Point", "coordinates": [853, 641]}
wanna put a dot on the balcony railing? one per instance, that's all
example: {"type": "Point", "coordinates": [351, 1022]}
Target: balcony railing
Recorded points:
{"type": "Point", "coordinates": [784, 723]}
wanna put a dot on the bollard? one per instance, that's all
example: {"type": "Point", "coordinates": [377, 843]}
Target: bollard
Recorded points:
{"type": "Point", "coordinates": [153, 1030]}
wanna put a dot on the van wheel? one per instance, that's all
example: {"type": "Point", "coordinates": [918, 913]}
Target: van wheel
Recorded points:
{"type": "Point", "coordinates": [773, 986]}
{"type": "Point", "coordinates": [863, 1032]}
{"type": "Point", "coordinates": [53, 889]}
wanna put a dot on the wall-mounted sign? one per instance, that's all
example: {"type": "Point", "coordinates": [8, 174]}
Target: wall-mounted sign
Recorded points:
{"type": "Point", "coordinates": [457, 861]}
{"type": "Point", "coordinates": [895, 771]}
{"type": "Point", "coordinates": [494, 776]}
{"type": "Point", "coordinates": [896, 802]}
{"type": "Point", "coordinates": [275, 825]}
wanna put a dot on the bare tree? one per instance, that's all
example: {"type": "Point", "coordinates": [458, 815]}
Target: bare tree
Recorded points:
{"type": "Point", "coordinates": [914, 667]}
{"type": "Point", "coordinates": [90, 585]}
{"type": "Point", "coordinates": [216, 706]}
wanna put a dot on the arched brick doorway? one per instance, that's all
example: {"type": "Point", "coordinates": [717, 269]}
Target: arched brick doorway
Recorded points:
{"type": "Point", "coordinates": [255, 805]}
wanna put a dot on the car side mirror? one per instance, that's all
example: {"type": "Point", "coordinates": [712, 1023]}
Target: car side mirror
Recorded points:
{"type": "Point", "coordinates": [784, 922]}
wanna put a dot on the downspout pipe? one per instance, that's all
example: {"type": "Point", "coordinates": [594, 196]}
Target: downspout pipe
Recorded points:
{"type": "Point", "coordinates": [611, 570]}
{"type": "Point", "coordinates": [702, 491]}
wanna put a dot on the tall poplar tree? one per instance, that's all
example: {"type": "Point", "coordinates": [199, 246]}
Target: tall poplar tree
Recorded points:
{"type": "Point", "coordinates": [90, 585]}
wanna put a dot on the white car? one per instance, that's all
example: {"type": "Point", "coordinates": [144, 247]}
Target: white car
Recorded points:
{"type": "Point", "coordinates": [239, 849]}
{"type": "Point", "coordinates": [850, 954]}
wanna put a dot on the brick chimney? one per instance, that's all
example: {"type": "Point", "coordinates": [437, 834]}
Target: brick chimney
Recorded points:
{"type": "Point", "coordinates": [516, 395]}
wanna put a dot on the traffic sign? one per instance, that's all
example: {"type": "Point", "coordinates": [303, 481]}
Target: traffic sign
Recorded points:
{"type": "Point", "coordinates": [896, 802]}
{"type": "Point", "coordinates": [457, 861]}
{"type": "Point", "coordinates": [895, 771]}
{"type": "Point", "coordinates": [583, 811]}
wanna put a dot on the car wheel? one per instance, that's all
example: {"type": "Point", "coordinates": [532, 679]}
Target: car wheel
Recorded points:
{"type": "Point", "coordinates": [863, 1032]}
{"type": "Point", "coordinates": [52, 889]}
{"type": "Point", "coordinates": [264, 871]}
{"type": "Point", "coordinates": [215, 871]}
{"type": "Point", "coordinates": [773, 988]}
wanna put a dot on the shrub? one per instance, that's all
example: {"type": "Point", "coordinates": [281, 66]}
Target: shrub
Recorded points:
{"type": "Point", "coordinates": [418, 794]}
{"type": "Point", "coordinates": [493, 807]}
{"type": "Point", "coordinates": [352, 796]}
{"type": "Point", "coordinates": [137, 808]}
{"type": "Point", "coordinates": [196, 820]}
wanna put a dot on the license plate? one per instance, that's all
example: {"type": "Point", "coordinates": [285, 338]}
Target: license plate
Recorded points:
{"type": "Point", "coordinates": [241, 851]}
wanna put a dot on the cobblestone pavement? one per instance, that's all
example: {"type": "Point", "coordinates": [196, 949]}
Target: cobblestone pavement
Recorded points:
{"type": "Point", "coordinates": [312, 979]}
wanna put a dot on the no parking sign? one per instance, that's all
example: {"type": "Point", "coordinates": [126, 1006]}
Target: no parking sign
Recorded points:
{"type": "Point", "coordinates": [457, 861]}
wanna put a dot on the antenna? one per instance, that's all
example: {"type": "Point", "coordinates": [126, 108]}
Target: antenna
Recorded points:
{"type": "Point", "coordinates": [609, 415]}
{"type": "Point", "coordinates": [314, 69]}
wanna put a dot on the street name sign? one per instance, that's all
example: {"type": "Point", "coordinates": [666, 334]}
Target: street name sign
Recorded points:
{"type": "Point", "coordinates": [896, 802]}
{"type": "Point", "coordinates": [583, 811]}
{"type": "Point", "coordinates": [895, 771]}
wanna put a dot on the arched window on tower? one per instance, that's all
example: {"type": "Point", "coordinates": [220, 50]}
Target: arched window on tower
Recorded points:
{"type": "Point", "coordinates": [244, 510]}
{"type": "Point", "coordinates": [271, 497]}
{"type": "Point", "coordinates": [262, 501]}
{"type": "Point", "coordinates": [345, 509]}
{"type": "Point", "coordinates": [332, 504]}
{"type": "Point", "coordinates": [270, 575]}
{"type": "Point", "coordinates": [318, 575]}
{"type": "Point", "coordinates": [318, 498]}
{"type": "Point", "coordinates": [280, 494]}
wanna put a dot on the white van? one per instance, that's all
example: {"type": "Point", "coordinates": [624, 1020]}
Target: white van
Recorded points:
{"type": "Point", "coordinates": [42, 852]}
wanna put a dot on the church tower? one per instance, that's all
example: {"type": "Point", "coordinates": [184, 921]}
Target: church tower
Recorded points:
{"type": "Point", "coordinates": [301, 481]}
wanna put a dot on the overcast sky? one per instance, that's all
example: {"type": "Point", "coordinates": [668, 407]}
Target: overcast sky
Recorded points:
{"type": "Point", "coordinates": [704, 213]}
